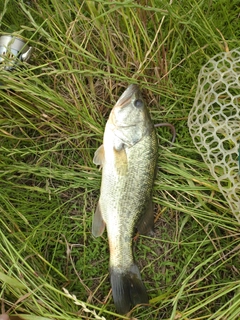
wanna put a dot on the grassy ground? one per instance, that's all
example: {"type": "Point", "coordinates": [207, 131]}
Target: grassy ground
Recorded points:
{"type": "Point", "coordinates": [52, 117]}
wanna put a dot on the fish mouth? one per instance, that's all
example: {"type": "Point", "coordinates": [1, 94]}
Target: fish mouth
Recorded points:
{"type": "Point", "coordinates": [127, 95]}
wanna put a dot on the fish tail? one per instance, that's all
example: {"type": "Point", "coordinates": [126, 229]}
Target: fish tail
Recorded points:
{"type": "Point", "coordinates": [128, 289]}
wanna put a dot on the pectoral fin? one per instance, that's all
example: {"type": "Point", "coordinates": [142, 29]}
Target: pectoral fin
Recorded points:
{"type": "Point", "coordinates": [121, 161]}
{"type": "Point", "coordinates": [146, 222]}
{"type": "Point", "coordinates": [99, 156]}
{"type": "Point", "coordinates": [98, 224]}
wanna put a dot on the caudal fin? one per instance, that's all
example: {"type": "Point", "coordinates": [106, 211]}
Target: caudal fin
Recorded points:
{"type": "Point", "coordinates": [128, 289]}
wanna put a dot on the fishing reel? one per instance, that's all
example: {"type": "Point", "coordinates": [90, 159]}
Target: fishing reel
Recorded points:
{"type": "Point", "coordinates": [13, 49]}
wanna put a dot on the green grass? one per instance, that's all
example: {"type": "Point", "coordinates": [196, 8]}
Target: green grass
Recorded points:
{"type": "Point", "coordinates": [52, 116]}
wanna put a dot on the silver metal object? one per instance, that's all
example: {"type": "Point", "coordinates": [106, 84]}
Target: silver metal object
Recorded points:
{"type": "Point", "coordinates": [13, 49]}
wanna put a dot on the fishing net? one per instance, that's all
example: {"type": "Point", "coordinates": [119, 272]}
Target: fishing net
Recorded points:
{"type": "Point", "coordinates": [214, 123]}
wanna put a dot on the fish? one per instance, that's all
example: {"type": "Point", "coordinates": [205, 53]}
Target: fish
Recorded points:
{"type": "Point", "coordinates": [128, 158]}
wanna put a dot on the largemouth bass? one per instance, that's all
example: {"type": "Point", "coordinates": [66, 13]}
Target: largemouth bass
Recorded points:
{"type": "Point", "coordinates": [128, 158]}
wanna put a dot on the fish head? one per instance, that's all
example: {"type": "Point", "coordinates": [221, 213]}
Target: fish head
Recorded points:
{"type": "Point", "coordinates": [129, 118]}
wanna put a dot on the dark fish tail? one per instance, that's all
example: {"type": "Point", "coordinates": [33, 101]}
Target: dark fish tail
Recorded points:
{"type": "Point", "coordinates": [128, 289]}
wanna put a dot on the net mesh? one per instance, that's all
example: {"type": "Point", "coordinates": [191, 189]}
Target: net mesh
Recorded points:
{"type": "Point", "coordinates": [214, 123]}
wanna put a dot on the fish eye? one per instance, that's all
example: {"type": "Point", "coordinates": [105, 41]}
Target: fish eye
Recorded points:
{"type": "Point", "coordinates": [138, 103]}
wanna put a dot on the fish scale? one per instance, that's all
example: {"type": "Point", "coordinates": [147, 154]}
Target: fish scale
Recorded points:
{"type": "Point", "coordinates": [128, 158]}
{"type": "Point", "coordinates": [128, 194]}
